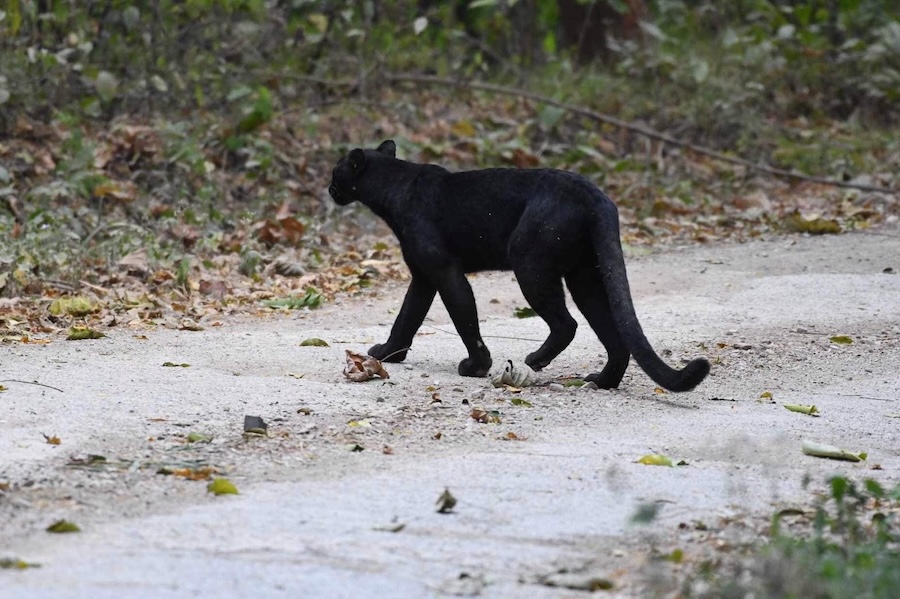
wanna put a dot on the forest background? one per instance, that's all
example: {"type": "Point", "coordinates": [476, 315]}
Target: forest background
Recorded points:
{"type": "Point", "coordinates": [196, 137]}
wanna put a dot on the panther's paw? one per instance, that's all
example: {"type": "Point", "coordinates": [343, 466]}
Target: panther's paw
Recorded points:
{"type": "Point", "coordinates": [477, 368]}
{"type": "Point", "coordinates": [386, 353]}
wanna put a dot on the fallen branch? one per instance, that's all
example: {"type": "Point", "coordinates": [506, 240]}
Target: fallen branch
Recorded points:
{"type": "Point", "coordinates": [633, 127]}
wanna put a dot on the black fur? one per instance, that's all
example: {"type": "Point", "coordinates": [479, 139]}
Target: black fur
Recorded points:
{"type": "Point", "coordinates": [544, 225]}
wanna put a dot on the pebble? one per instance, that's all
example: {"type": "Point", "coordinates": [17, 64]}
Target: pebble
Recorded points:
{"type": "Point", "coordinates": [556, 387]}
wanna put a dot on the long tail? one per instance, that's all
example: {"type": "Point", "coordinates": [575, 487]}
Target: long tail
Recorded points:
{"type": "Point", "coordinates": [611, 261]}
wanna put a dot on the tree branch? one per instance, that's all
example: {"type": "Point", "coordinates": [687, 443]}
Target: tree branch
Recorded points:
{"type": "Point", "coordinates": [629, 126]}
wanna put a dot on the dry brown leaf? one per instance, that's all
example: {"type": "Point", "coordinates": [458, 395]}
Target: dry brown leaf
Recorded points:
{"type": "Point", "coordinates": [361, 368]}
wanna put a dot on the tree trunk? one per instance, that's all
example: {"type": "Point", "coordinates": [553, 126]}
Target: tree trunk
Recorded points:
{"type": "Point", "coordinates": [586, 27]}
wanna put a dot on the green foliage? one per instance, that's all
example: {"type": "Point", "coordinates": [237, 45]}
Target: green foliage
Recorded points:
{"type": "Point", "coordinates": [311, 299]}
{"type": "Point", "coordinates": [852, 552]}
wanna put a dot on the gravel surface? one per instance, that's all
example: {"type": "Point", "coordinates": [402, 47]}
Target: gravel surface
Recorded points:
{"type": "Point", "coordinates": [545, 496]}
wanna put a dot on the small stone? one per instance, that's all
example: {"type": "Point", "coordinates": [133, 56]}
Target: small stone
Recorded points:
{"type": "Point", "coordinates": [556, 387]}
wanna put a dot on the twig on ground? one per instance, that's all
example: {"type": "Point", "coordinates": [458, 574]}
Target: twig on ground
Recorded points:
{"type": "Point", "coordinates": [31, 383]}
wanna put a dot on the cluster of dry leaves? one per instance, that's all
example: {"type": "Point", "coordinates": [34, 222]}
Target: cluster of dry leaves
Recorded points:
{"type": "Point", "coordinates": [298, 242]}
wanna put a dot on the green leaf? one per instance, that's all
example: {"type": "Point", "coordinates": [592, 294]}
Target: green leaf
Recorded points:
{"type": "Point", "coordinates": [822, 450]}
{"type": "Point", "coordinates": [525, 312]}
{"type": "Point", "coordinates": [312, 299]}
{"type": "Point", "coordinates": [841, 339]}
{"type": "Point", "coordinates": [518, 401]}
{"type": "Point", "coordinates": [808, 410]}
{"type": "Point", "coordinates": [198, 438]}
{"type": "Point", "coordinates": [62, 526]}
{"type": "Point", "coordinates": [314, 342]}
{"type": "Point", "coordinates": [645, 513]}
{"type": "Point", "coordinates": [838, 488]}
{"type": "Point", "coordinates": [655, 459]}
{"type": "Point", "coordinates": [11, 563]}
{"type": "Point", "coordinates": [221, 486]}
{"type": "Point", "coordinates": [174, 365]}
{"type": "Point", "coordinates": [875, 489]}
{"type": "Point", "coordinates": [573, 382]}
{"type": "Point", "coordinates": [77, 306]}
{"type": "Point", "coordinates": [82, 333]}
{"type": "Point", "coordinates": [260, 113]}
{"type": "Point", "coordinates": [814, 225]}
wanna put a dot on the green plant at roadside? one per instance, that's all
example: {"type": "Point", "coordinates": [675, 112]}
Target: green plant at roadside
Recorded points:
{"type": "Point", "coordinates": [851, 550]}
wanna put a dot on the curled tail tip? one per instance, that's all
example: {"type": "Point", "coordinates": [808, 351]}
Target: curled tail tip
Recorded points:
{"type": "Point", "coordinates": [690, 376]}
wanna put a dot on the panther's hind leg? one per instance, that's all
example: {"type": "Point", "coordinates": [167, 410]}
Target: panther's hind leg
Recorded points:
{"type": "Point", "coordinates": [590, 297]}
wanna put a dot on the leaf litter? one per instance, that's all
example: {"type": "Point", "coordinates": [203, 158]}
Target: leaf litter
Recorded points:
{"type": "Point", "coordinates": [360, 368]}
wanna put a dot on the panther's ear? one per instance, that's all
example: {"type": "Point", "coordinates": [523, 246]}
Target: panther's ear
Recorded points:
{"type": "Point", "coordinates": [357, 159]}
{"type": "Point", "coordinates": [388, 147]}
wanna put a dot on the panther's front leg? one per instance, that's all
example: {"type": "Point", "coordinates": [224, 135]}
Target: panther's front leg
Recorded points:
{"type": "Point", "coordinates": [456, 293]}
{"type": "Point", "coordinates": [415, 307]}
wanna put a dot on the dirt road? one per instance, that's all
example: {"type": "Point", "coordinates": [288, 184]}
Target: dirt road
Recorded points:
{"type": "Point", "coordinates": [316, 519]}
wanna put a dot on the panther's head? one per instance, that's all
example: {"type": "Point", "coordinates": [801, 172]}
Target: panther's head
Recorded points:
{"type": "Point", "coordinates": [347, 174]}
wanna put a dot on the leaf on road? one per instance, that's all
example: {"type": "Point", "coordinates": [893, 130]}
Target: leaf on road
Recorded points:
{"type": "Point", "coordinates": [79, 333]}
{"type": "Point", "coordinates": [526, 312]}
{"type": "Point", "coordinates": [822, 450]}
{"type": "Point", "coordinates": [361, 368]}
{"type": "Point", "coordinates": [221, 486]}
{"type": "Point", "coordinates": [518, 401]}
{"type": "Point", "coordinates": [54, 440]}
{"type": "Point", "coordinates": [61, 526]}
{"type": "Point", "coordinates": [841, 339]}
{"type": "Point", "coordinates": [484, 417]}
{"type": "Point", "coordinates": [575, 382]}
{"type": "Point", "coordinates": [446, 502]}
{"type": "Point", "coordinates": [194, 437]}
{"type": "Point", "coordinates": [363, 423]}
{"type": "Point", "coordinates": [174, 365]}
{"type": "Point", "coordinates": [812, 224]}
{"type": "Point", "coordinates": [655, 459]}
{"type": "Point", "coordinates": [254, 425]}
{"type": "Point", "coordinates": [314, 342]}
{"type": "Point", "coordinates": [808, 410]}
{"type": "Point", "coordinates": [203, 473]}
{"type": "Point", "coordinates": [514, 376]}
{"type": "Point", "coordinates": [12, 563]}
{"type": "Point", "coordinates": [577, 581]}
